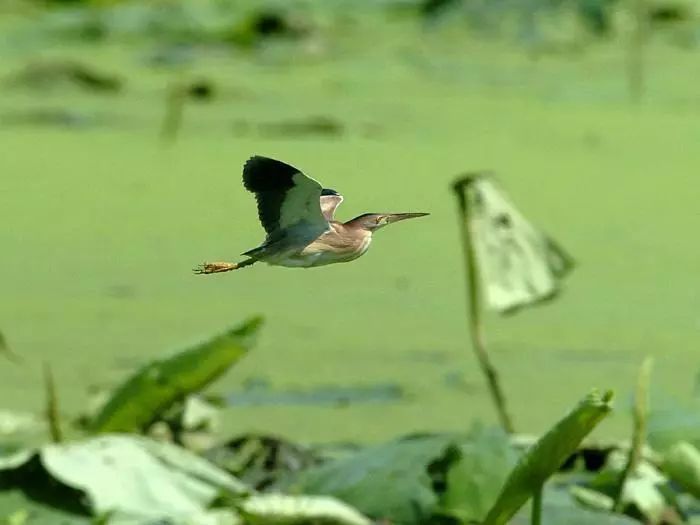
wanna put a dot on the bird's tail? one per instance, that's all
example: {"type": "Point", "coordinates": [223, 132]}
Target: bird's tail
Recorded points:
{"type": "Point", "coordinates": [254, 252]}
{"type": "Point", "coordinates": [245, 263]}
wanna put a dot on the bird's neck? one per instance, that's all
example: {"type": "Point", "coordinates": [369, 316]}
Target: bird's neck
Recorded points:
{"type": "Point", "coordinates": [355, 224]}
{"type": "Point", "coordinates": [349, 241]}
{"type": "Point", "coordinates": [352, 227]}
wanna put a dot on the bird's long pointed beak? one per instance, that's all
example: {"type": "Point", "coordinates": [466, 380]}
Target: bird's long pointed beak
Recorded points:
{"type": "Point", "coordinates": [396, 217]}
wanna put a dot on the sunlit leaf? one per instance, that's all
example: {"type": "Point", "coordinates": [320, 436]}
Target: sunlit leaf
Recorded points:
{"type": "Point", "coordinates": [643, 488]}
{"type": "Point", "coordinates": [280, 509]}
{"type": "Point", "coordinates": [155, 387]}
{"type": "Point", "coordinates": [133, 476]}
{"type": "Point", "coordinates": [125, 479]}
{"type": "Point", "coordinates": [518, 264]}
{"type": "Point", "coordinates": [646, 496]}
{"type": "Point", "coordinates": [547, 455]}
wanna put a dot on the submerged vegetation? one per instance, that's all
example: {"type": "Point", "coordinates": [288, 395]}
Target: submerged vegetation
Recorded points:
{"type": "Point", "coordinates": [168, 464]}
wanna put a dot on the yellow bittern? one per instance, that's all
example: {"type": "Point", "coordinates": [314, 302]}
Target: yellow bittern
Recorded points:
{"type": "Point", "coordinates": [297, 214]}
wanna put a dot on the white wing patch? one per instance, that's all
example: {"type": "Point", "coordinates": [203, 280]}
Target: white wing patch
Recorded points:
{"type": "Point", "coordinates": [301, 204]}
{"type": "Point", "coordinates": [518, 264]}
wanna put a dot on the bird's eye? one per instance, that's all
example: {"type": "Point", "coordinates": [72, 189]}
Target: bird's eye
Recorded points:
{"type": "Point", "coordinates": [379, 220]}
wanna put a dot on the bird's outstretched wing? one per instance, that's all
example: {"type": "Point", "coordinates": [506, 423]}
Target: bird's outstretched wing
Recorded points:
{"type": "Point", "coordinates": [330, 200]}
{"type": "Point", "coordinates": [286, 197]}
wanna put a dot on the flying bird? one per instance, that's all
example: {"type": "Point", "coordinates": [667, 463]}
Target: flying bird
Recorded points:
{"type": "Point", "coordinates": [297, 215]}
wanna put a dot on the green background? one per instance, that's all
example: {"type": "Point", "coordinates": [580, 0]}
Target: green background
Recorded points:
{"type": "Point", "coordinates": [100, 227]}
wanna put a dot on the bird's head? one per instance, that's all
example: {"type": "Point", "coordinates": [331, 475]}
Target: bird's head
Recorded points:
{"type": "Point", "coordinates": [373, 221]}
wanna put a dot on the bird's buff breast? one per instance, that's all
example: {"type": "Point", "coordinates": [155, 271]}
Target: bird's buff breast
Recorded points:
{"type": "Point", "coordinates": [325, 251]}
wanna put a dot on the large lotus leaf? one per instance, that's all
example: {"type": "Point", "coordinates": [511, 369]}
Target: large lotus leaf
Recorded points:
{"type": "Point", "coordinates": [386, 482]}
{"type": "Point", "coordinates": [134, 476]}
{"type": "Point", "coordinates": [546, 456]}
{"type": "Point", "coordinates": [281, 509]}
{"type": "Point", "coordinates": [154, 388]}
{"type": "Point", "coordinates": [476, 478]}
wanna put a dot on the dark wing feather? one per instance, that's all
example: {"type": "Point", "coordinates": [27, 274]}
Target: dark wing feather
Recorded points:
{"type": "Point", "coordinates": [285, 196]}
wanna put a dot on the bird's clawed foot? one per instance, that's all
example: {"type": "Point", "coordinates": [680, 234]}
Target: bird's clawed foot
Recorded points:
{"type": "Point", "coordinates": [215, 267]}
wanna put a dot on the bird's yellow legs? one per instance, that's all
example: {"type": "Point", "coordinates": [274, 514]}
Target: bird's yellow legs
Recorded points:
{"type": "Point", "coordinates": [219, 267]}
